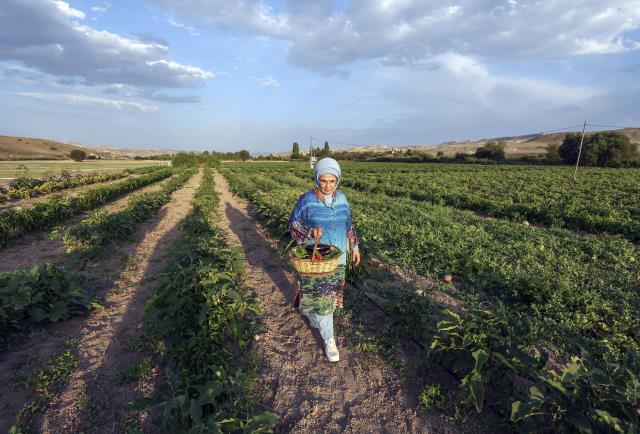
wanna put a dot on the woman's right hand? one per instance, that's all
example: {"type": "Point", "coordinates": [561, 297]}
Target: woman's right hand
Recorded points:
{"type": "Point", "coordinates": [316, 233]}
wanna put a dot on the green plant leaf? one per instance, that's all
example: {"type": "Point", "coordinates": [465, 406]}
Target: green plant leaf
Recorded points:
{"type": "Point", "coordinates": [195, 410]}
{"type": "Point", "coordinates": [477, 391]}
{"type": "Point", "coordinates": [610, 420]}
{"type": "Point", "coordinates": [481, 357]}
{"type": "Point", "coordinates": [571, 372]}
{"type": "Point", "coordinates": [209, 392]}
{"type": "Point", "coordinates": [580, 421]}
{"type": "Point", "coordinates": [522, 410]}
{"type": "Point", "coordinates": [261, 422]}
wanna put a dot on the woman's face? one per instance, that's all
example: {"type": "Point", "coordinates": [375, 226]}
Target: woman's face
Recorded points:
{"type": "Point", "coordinates": [327, 183]}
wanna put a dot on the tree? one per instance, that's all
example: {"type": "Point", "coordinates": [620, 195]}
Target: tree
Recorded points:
{"type": "Point", "coordinates": [244, 155]}
{"type": "Point", "coordinates": [553, 152]}
{"type": "Point", "coordinates": [325, 151]}
{"type": "Point", "coordinates": [77, 155]}
{"type": "Point", "coordinates": [492, 150]}
{"type": "Point", "coordinates": [440, 154]}
{"type": "Point", "coordinates": [604, 149]}
{"type": "Point", "coordinates": [295, 151]}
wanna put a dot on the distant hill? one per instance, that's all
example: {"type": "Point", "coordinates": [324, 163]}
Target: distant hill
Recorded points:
{"type": "Point", "coordinates": [516, 146]}
{"type": "Point", "coordinates": [29, 148]}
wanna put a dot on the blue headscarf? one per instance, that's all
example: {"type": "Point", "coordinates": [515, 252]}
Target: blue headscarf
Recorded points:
{"type": "Point", "coordinates": [326, 166]}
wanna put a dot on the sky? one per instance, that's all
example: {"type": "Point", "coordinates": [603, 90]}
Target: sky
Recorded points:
{"type": "Point", "coordinates": [261, 74]}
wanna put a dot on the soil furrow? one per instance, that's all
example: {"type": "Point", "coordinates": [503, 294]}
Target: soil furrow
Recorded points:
{"type": "Point", "coordinates": [305, 390]}
{"type": "Point", "coordinates": [126, 277]}
{"type": "Point", "coordinates": [35, 248]}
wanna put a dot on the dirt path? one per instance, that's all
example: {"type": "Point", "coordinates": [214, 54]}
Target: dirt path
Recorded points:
{"type": "Point", "coordinates": [68, 191]}
{"type": "Point", "coordinates": [308, 393]}
{"type": "Point", "coordinates": [127, 277]}
{"type": "Point", "coordinates": [36, 248]}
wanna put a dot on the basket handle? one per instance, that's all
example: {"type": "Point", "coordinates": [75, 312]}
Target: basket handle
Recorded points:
{"type": "Point", "coordinates": [315, 250]}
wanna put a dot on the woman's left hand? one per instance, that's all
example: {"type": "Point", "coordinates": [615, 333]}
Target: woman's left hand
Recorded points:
{"type": "Point", "coordinates": [356, 257]}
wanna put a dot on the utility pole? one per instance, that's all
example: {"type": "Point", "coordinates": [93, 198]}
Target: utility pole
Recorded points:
{"type": "Point", "coordinates": [312, 159]}
{"type": "Point", "coordinates": [575, 173]}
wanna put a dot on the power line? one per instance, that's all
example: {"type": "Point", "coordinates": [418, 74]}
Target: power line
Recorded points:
{"type": "Point", "coordinates": [562, 129]}
{"type": "Point", "coordinates": [607, 126]}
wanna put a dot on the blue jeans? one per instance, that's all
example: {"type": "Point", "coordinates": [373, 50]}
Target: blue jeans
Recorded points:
{"type": "Point", "coordinates": [324, 323]}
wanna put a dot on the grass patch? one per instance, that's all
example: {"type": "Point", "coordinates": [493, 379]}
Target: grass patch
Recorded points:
{"type": "Point", "coordinates": [46, 382]}
{"type": "Point", "coordinates": [138, 370]}
{"type": "Point", "coordinates": [431, 398]}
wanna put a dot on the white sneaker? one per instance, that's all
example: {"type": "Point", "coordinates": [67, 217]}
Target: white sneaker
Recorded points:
{"type": "Point", "coordinates": [331, 350]}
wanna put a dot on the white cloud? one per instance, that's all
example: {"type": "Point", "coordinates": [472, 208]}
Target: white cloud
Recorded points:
{"type": "Point", "coordinates": [461, 97]}
{"type": "Point", "coordinates": [267, 81]}
{"type": "Point", "coordinates": [251, 15]}
{"type": "Point", "coordinates": [101, 9]}
{"type": "Point", "coordinates": [88, 101]}
{"type": "Point", "coordinates": [55, 42]}
{"type": "Point", "coordinates": [184, 73]}
{"type": "Point", "coordinates": [51, 85]}
{"type": "Point", "coordinates": [175, 23]}
{"type": "Point", "coordinates": [67, 10]}
{"type": "Point", "coordinates": [412, 31]}
{"type": "Point", "coordinates": [593, 46]}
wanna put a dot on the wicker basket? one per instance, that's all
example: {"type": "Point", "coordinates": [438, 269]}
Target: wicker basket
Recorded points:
{"type": "Point", "coordinates": [307, 267]}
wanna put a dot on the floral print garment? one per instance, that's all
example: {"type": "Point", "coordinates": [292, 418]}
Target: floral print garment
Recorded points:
{"type": "Point", "coordinates": [319, 293]}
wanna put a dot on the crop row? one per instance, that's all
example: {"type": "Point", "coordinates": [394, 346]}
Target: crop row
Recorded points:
{"type": "Point", "coordinates": [588, 284]}
{"type": "Point", "coordinates": [495, 351]}
{"type": "Point", "coordinates": [206, 322]}
{"type": "Point", "coordinates": [578, 295]}
{"type": "Point", "coordinates": [102, 228]}
{"type": "Point", "coordinates": [556, 202]}
{"type": "Point", "coordinates": [52, 293]}
{"type": "Point", "coordinates": [601, 200]}
{"type": "Point", "coordinates": [59, 183]}
{"type": "Point", "coordinates": [47, 213]}
{"type": "Point", "coordinates": [42, 293]}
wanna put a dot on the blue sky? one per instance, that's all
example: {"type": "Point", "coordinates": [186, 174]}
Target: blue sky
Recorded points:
{"type": "Point", "coordinates": [195, 74]}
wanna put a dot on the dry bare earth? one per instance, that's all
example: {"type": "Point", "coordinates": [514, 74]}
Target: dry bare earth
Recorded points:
{"type": "Point", "coordinates": [299, 384]}
{"type": "Point", "coordinates": [36, 248]}
{"type": "Point", "coordinates": [126, 277]}
{"type": "Point", "coordinates": [29, 148]}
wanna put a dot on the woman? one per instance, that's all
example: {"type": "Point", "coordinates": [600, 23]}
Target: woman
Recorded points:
{"type": "Point", "coordinates": [323, 213]}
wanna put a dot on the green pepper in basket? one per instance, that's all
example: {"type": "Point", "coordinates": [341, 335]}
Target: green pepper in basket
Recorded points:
{"type": "Point", "coordinates": [300, 253]}
{"type": "Point", "coordinates": [332, 254]}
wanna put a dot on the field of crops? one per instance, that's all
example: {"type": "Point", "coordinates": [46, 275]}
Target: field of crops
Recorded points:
{"type": "Point", "coordinates": [201, 279]}
{"type": "Point", "coordinates": [549, 270]}
{"type": "Point", "coordinates": [37, 168]}
{"type": "Point", "coordinates": [538, 328]}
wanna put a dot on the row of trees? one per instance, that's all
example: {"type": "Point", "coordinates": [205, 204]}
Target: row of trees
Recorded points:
{"type": "Point", "coordinates": [210, 158]}
{"type": "Point", "coordinates": [492, 150]}
{"type": "Point", "coordinates": [318, 152]}
{"type": "Point", "coordinates": [80, 155]}
{"type": "Point", "coordinates": [605, 149]}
